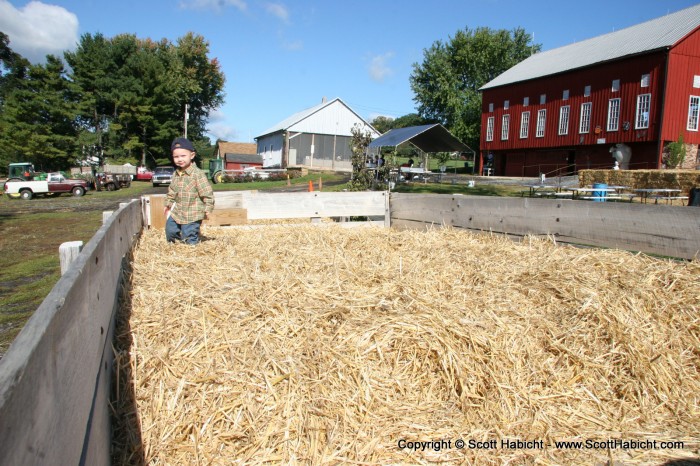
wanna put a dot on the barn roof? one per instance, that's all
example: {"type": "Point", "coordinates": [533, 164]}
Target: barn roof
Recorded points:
{"type": "Point", "coordinates": [655, 34]}
{"type": "Point", "coordinates": [236, 148]}
{"type": "Point", "coordinates": [305, 114]}
{"type": "Point", "coordinates": [428, 138]}
{"type": "Point", "coordinates": [243, 158]}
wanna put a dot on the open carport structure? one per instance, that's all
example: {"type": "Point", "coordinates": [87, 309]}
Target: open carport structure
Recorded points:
{"type": "Point", "coordinates": [426, 138]}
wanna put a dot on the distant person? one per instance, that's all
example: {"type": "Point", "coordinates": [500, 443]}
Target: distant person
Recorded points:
{"type": "Point", "coordinates": [190, 197]}
{"type": "Point", "coordinates": [380, 161]}
{"type": "Point", "coordinates": [410, 163]}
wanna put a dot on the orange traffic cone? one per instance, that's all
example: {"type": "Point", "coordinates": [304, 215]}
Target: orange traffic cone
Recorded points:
{"type": "Point", "coordinates": [311, 186]}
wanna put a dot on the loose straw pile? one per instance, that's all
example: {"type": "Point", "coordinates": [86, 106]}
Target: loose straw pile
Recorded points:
{"type": "Point", "coordinates": [323, 345]}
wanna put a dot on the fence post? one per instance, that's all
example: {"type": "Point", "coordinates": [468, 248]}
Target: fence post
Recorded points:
{"type": "Point", "coordinates": [68, 252]}
{"type": "Point", "coordinates": [105, 215]}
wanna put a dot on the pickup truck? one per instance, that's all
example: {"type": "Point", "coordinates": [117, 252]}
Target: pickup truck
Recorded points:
{"type": "Point", "coordinates": [55, 183]}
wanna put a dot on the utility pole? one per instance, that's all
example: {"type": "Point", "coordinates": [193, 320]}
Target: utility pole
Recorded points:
{"type": "Point", "coordinates": [186, 117]}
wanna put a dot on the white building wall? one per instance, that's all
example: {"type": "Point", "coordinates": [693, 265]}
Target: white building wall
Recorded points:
{"type": "Point", "coordinates": [270, 149]}
{"type": "Point", "coordinates": [335, 118]}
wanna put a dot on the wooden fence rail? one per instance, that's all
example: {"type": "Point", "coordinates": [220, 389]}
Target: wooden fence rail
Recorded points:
{"type": "Point", "coordinates": [664, 230]}
{"type": "Point", "coordinates": [55, 377]}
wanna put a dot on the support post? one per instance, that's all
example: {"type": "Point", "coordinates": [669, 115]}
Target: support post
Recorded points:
{"type": "Point", "coordinates": [68, 252]}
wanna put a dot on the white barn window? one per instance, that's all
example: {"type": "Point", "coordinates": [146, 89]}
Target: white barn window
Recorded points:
{"type": "Point", "coordinates": [693, 112]}
{"type": "Point", "coordinates": [564, 112]}
{"type": "Point", "coordinates": [541, 120]}
{"type": "Point", "coordinates": [585, 123]}
{"type": "Point", "coordinates": [506, 104]}
{"type": "Point", "coordinates": [505, 126]}
{"type": "Point", "coordinates": [489, 128]}
{"type": "Point", "coordinates": [526, 101]}
{"type": "Point", "coordinates": [587, 91]}
{"type": "Point", "coordinates": [543, 99]}
{"type": "Point", "coordinates": [524, 124]}
{"type": "Point", "coordinates": [645, 80]}
{"type": "Point", "coordinates": [613, 114]}
{"type": "Point", "coordinates": [642, 115]}
{"type": "Point", "coordinates": [615, 85]}
{"type": "Point", "coordinates": [565, 95]}
{"type": "Point", "coordinates": [491, 108]}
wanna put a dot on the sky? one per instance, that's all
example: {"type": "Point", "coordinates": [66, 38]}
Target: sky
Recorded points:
{"type": "Point", "coordinates": [281, 57]}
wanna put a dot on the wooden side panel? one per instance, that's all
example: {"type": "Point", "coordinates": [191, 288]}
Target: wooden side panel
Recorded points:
{"type": "Point", "coordinates": [665, 230]}
{"type": "Point", "coordinates": [315, 204]}
{"type": "Point", "coordinates": [55, 378]}
{"type": "Point", "coordinates": [227, 217]}
{"type": "Point", "coordinates": [157, 205]}
{"type": "Point", "coordinates": [236, 208]}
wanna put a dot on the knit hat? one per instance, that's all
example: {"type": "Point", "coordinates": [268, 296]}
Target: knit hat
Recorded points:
{"type": "Point", "coordinates": [182, 143]}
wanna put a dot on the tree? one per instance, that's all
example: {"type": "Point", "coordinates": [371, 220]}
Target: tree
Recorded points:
{"type": "Point", "coordinates": [13, 68]}
{"type": "Point", "coordinates": [38, 116]}
{"type": "Point", "coordinates": [675, 153]}
{"type": "Point", "coordinates": [411, 119]}
{"type": "Point", "coordinates": [361, 177]}
{"type": "Point", "coordinates": [446, 85]}
{"type": "Point", "coordinates": [134, 91]}
{"type": "Point", "coordinates": [382, 124]}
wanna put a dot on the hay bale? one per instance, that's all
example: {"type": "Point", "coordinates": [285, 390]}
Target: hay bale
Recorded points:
{"type": "Point", "coordinates": [296, 344]}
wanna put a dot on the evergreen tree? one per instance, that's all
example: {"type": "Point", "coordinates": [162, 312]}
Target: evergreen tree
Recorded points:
{"type": "Point", "coordinates": [38, 118]}
{"type": "Point", "coordinates": [446, 85]}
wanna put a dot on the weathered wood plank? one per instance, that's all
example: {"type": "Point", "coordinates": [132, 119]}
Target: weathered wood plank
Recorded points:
{"type": "Point", "coordinates": [664, 230]}
{"type": "Point", "coordinates": [157, 205]}
{"type": "Point", "coordinates": [228, 216]}
{"type": "Point", "coordinates": [53, 380]}
{"type": "Point", "coordinates": [228, 205]}
{"type": "Point", "coordinates": [315, 204]}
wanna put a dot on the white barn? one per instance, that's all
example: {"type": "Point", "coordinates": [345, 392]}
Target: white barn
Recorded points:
{"type": "Point", "coordinates": [318, 137]}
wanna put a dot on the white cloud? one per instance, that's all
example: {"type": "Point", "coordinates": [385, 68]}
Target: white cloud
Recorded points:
{"type": "Point", "coordinates": [378, 67]}
{"type": "Point", "coordinates": [38, 29]}
{"type": "Point", "coordinates": [216, 5]}
{"type": "Point", "coordinates": [278, 10]}
{"type": "Point", "coordinates": [219, 128]}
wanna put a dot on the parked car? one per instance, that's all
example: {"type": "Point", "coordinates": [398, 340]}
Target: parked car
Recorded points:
{"type": "Point", "coordinates": [162, 176]}
{"type": "Point", "coordinates": [53, 184]}
{"type": "Point", "coordinates": [144, 174]}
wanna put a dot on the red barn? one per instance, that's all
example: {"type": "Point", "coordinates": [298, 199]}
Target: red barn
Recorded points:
{"type": "Point", "coordinates": [631, 91]}
{"type": "Point", "coordinates": [238, 155]}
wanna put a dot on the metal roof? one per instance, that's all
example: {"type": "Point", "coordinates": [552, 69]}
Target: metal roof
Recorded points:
{"type": "Point", "coordinates": [305, 114]}
{"type": "Point", "coordinates": [243, 158]}
{"type": "Point", "coordinates": [651, 35]}
{"type": "Point", "coordinates": [428, 138]}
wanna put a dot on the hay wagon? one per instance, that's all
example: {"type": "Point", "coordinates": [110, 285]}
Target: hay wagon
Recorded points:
{"type": "Point", "coordinates": [318, 343]}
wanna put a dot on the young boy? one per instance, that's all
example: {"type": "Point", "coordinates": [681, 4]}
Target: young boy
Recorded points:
{"type": "Point", "coordinates": [190, 198]}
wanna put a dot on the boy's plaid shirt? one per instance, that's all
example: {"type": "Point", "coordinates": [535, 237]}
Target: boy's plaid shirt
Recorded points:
{"type": "Point", "coordinates": [192, 195]}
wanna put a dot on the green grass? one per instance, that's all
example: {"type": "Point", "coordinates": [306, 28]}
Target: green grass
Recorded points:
{"type": "Point", "coordinates": [445, 188]}
{"type": "Point", "coordinates": [327, 177]}
{"type": "Point", "coordinates": [29, 265]}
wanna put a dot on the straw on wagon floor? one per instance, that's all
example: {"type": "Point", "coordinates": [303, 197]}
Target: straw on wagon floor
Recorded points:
{"type": "Point", "coordinates": [297, 344]}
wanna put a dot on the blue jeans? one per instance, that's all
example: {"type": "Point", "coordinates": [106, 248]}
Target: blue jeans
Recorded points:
{"type": "Point", "coordinates": [187, 233]}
